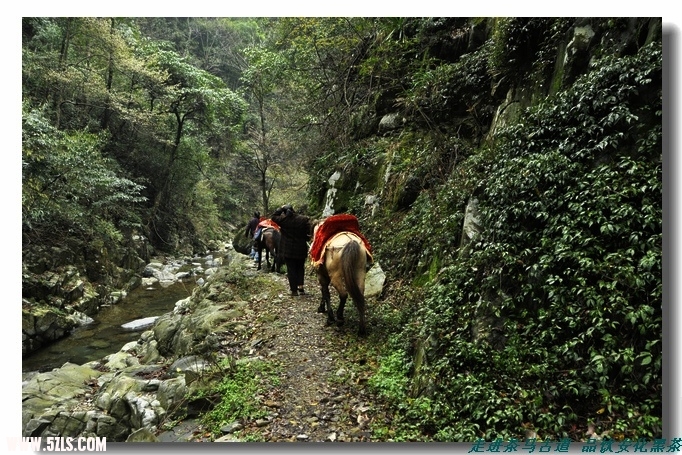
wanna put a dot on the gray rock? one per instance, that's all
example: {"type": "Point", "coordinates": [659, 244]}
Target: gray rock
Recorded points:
{"type": "Point", "coordinates": [391, 121]}
{"type": "Point", "coordinates": [231, 428]}
{"type": "Point", "coordinates": [471, 225]}
{"type": "Point", "coordinates": [171, 392]}
{"type": "Point", "coordinates": [149, 352]}
{"type": "Point", "coordinates": [110, 428]}
{"type": "Point", "coordinates": [374, 281]}
{"type": "Point", "coordinates": [139, 324]}
{"type": "Point", "coordinates": [142, 435]}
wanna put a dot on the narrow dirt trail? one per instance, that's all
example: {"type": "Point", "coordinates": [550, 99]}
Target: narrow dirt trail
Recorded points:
{"type": "Point", "coordinates": [323, 394]}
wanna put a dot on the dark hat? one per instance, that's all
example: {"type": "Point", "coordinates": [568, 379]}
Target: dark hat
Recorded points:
{"type": "Point", "coordinates": [256, 214]}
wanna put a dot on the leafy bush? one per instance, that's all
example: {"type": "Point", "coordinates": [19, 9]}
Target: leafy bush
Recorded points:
{"type": "Point", "coordinates": [553, 321]}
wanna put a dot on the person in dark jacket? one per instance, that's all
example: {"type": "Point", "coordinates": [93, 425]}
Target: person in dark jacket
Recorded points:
{"type": "Point", "coordinates": [251, 232]}
{"type": "Point", "coordinates": [295, 230]}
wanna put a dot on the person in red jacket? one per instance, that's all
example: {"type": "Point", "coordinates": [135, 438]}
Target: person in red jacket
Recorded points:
{"type": "Point", "coordinates": [295, 229]}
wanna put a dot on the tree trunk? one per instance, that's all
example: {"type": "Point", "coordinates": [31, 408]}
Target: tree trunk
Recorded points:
{"type": "Point", "coordinates": [63, 53]}
{"type": "Point", "coordinates": [110, 81]}
{"type": "Point", "coordinates": [165, 181]}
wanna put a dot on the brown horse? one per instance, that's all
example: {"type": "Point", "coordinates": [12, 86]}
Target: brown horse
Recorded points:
{"type": "Point", "coordinates": [269, 241]}
{"type": "Point", "coordinates": [343, 264]}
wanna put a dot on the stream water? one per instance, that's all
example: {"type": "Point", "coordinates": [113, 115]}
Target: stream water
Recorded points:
{"type": "Point", "coordinates": [106, 335]}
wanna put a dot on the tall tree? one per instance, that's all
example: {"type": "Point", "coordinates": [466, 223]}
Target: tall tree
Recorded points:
{"type": "Point", "coordinates": [193, 104]}
{"type": "Point", "coordinates": [261, 82]}
{"type": "Point", "coordinates": [164, 118]}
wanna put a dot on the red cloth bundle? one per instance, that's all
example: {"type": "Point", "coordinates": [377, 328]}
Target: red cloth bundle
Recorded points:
{"type": "Point", "coordinates": [268, 223]}
{"type": "Point", "coordinates": [332, 226]}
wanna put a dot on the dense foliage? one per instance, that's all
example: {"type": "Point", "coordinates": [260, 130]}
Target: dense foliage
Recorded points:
{"type": "Point", "coordinates": [551, 321]}
{"type": "Point", "coordinates": [69, 188]}
{"type": "Point", "coordinates": [161, 122]}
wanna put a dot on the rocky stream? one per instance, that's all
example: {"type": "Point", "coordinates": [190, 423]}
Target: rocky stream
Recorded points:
{"type": "Point", "coordinates": [148, 389]}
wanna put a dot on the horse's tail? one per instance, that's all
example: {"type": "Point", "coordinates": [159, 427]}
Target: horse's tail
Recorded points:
{"type": "Point", "coordinates": [351, 256]}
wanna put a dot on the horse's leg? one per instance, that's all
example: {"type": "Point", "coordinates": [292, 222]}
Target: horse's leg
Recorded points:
{"type": "Point", "coordinates": [276, 238]}
{"type": "Point", "coordinates": [354, 263]}
{"type": "Point", "coordinates": [339, 283]}
{"type": "Point", "coordinates": [339, 311]}
{"type": "Point", "coordinates": [325, 297]}
{"type": "Point", "coordinates": [273, 254]}
{"type": "Point", "coordinates": [325, 304]}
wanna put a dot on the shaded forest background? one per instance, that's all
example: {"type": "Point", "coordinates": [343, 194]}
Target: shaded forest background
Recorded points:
{"type": "Point", "coordinates": [508, 172]}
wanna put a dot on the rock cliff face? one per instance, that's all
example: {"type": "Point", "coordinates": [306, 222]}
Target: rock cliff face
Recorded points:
{"type": "Point", "coordinates": [63, 286]}
{"type": "Point", "coordinates": [551, 55]}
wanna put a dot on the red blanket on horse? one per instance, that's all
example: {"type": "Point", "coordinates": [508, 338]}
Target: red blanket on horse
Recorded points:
{"type": "Point", "coordinates": [268, 223]}
{"type": "Point", "coordinates": [332, 226]}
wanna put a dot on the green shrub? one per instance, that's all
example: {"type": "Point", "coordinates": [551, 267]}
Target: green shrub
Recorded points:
{"type": "Point", "coordinates": [238, 394]}
{"type": "Point", "coordinates": [553, 321]}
